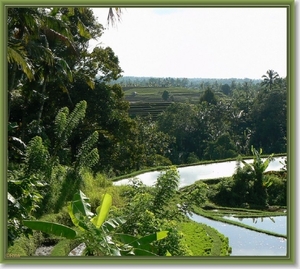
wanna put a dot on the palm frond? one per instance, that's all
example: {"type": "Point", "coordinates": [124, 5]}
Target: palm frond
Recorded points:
{"type": "Point", "coordinates": [63, 67]}
{"type": "Point", "coordinates": [60, 26]}
{"type": "Point", "coordinates": [54, 35]}
{"type": "Point", "coordinates": [40, 53]}
{"type": "Point", "coordinates": [83, 31]}
{"type": "Point", "coordinates": [114, 14]}
{"type": "Point", "coordinates": [17, 54]}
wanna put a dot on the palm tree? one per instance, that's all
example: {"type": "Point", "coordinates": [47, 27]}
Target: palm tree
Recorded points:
{"type": "Point", "coordinates": [21, 24]}
{"type": "Point", "coordinates": [113, 15]}
{"type": "Point", "coordinates": [270, 79]}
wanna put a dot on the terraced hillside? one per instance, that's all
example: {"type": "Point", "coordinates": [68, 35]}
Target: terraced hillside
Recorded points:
{"type": "Point", "coordinates": [145, 101]}
{"type": "Point", "coordinates": [147, 109]}
{"type": "Point", "coordinates": [154, 94]}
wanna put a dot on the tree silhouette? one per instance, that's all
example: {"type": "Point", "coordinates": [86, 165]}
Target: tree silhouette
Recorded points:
{"type": "Point", "coordinates": [165, 95]}
{"type": "Point", "coordinates": [270, 79]}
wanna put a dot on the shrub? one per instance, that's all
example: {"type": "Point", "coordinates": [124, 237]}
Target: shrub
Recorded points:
{"type": "Point", "coordinates": [277, 191]}
{"type": "Point", "coordinates": [102, 181]}
{"type": "Point", "coordinates": [25, 246]}
{"type": "Point", "coordinates": [223, 194]}
{"type": "Point", "coordinates": [27, 195]}
{"type": "Point", "coordinates": [192, 158]}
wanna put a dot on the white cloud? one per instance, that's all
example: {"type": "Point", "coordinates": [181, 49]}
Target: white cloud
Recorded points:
{"type": "Point", "coordinates": [199, 42]}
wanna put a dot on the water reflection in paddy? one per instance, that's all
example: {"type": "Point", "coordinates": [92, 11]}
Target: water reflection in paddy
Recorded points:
{"type": "Point", "coordinates": [273, 224]}
{"type": "Point", "coordinates": [190, 174]}
{"type": "Point", "coordinates": [245, 242]}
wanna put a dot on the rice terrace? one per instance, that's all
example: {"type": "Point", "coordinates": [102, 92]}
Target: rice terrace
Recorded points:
{"type": "Point", "coordinates": [101, 164]}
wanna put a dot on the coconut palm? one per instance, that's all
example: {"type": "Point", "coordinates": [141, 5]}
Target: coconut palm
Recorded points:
{"type": "Point", "coordinates": [34, 38]}
{"type": "Point", "coordinates": [21, 24]}
{"type": "Point", "coordinates": [270, 79]}
{"type": "Point", "coordinates": [28, 30]}
{"type": "Point", "coordinates": [114, 14]}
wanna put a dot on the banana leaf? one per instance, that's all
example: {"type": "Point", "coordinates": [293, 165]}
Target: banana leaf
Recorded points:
{"type": "Point", "coordinates": [80, 204]}
{"type": "Point", "coordinates": [51, 228]}
{"type": "Point", "coordinates": [102, 210]}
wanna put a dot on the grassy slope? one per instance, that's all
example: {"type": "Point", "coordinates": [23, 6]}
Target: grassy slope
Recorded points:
{"type": "Point", "coordinates": [203, 240]}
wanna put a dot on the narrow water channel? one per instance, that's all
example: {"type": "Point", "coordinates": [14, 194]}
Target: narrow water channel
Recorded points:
{"type": "Point", "coordinates": [245, 242]}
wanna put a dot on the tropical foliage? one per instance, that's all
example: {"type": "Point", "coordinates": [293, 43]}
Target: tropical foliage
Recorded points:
{"type": "Point", "coordinates": [251, 185]}
{"type": "Point", "coordinates": [70, 128]}
{"type": "Point", "coordinates": [97, 232]}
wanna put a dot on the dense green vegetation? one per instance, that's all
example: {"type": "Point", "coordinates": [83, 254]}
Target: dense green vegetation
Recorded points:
{"type": "Point", "coordinates": [72, 128]}
{"type": "Point", "coordinates": [196, 237]}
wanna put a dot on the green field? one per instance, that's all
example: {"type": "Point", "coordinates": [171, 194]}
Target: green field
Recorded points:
{"type": "Point", "coordinates": [154, 94]}
{"type": "Point", "coordinates": [145, 101]}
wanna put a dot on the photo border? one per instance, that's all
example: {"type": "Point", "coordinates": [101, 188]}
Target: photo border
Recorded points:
{"type": "Point", "coordinates": [291, 136]}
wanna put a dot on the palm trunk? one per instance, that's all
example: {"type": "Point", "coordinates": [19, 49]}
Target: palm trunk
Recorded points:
{"type": "Point", "coordinates": [24, 119]}
{"type": "Point", "coordinates": [42, 105]}
{"type": "Point", "coordinates": [10, 88]}
{"type": "Point", "coordinates": [69, 97]}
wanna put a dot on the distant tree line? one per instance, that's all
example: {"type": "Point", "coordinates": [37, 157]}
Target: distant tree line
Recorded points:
{"type": "Point", "coordinates": [195, 83]}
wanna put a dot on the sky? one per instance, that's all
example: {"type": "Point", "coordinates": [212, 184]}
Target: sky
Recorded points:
{"type": "Point", "coordinates": [198, 42]}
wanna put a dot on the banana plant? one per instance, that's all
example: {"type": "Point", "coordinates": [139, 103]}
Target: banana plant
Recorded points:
{"type": "Point", "coordinates": [261, 182]}
{"type": "Point", "coordinates": [259, 166]}
{"type": "Point", "coordinates": [98, 232]}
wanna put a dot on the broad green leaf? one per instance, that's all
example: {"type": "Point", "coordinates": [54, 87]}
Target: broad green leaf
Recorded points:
{"type": "Point", "coordinates": [83, 31]}
{"type": "Point", "coordinates": [146, 247]}
{"type": "Point", "coordinates": [267, 162]}
{"type": "Point", "coordinates": [51, 228]}
{"type": "Point", "coordinates": [75, 220]}
{"type": "Point", "coordinates": [148, 239]}
{"type": "Point", "coordinates": [112, 224]}
{"type": "Point", "coordinates": [125, 238]}
{"type": "Point", "coordinates": [80, 204]}
{"type": "Point", "coordinates": [102, 210]}
{"type": "Point", "coordinates": [168, 254]}
{"type": "Point", "coordinates": [142, 252]}
{"type": "Point", "coordinates": [162, 235]}
{"type": "Point", "coordinates": [90, 82]}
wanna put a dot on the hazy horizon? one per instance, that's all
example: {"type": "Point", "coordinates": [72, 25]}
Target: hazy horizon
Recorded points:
{"type": "Point", "coordinates": [198, 42]}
